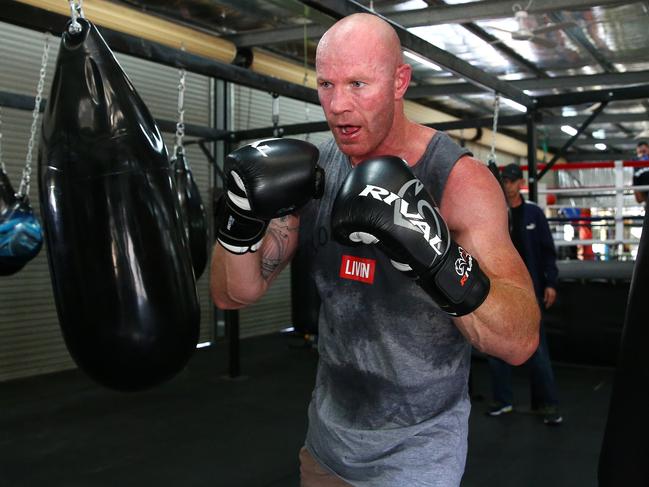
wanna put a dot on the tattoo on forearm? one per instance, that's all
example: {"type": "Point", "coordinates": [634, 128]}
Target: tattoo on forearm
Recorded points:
{"type": "Point", "coordinates": [276, 247]}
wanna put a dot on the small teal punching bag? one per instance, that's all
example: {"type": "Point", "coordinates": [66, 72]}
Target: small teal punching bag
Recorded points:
{"type": "Point", "coordinates": [21, 236]}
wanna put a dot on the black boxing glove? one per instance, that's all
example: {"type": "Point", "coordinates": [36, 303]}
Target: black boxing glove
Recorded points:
{"type": "Point", "coordinates": [264, 180]}
{"type": "Point", "coordinates": [382, 202]}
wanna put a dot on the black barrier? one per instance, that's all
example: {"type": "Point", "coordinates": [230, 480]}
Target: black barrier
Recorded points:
{"type": "Point", "coordinates": [625, 449]}
{"type": "Point", "coordinates": [585, 324]}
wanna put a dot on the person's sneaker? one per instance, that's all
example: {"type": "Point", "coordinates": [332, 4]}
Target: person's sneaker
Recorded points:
{"type": "Point", "coordinates": [551, 416]}
{"type": "Point", "coordinates": [499, 408]}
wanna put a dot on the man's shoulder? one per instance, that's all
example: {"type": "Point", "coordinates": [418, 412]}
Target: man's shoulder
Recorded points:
{"type": "Point", "coordinates": [532, 206]}
{"type": "Point", "coordinates": [533, 209]}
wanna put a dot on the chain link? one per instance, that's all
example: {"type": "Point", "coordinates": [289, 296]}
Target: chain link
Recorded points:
{"type": "Point", "coordinates": [494, 130]}
{"type": "Point", "coordinates": [27, 171]}
{"type": "Point", "coordinates": [275, 116]}
{"type": "Point", "coordinates": [179, 148]}
{"type": "Point", "coordinates": [76, 11]}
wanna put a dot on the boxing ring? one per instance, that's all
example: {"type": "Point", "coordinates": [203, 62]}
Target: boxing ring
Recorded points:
{"type": "Point", "coordinates": [607, 208]}
{"type": "Point", "coordinates": [596, 224]}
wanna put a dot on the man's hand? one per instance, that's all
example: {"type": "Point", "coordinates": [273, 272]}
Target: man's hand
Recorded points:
{"type": "Point", "coordinates": [549, 297]}
{"type": "Point", "coordinates": [382, 202]}
{"type": "Point", "coordinates": [267, 179]}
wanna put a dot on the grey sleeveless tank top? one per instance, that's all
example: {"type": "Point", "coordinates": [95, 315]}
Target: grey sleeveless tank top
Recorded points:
{"type": "Point", "coordinates": [390, 406]}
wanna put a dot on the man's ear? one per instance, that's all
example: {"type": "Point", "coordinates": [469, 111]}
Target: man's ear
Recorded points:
{"type": "Point", "coordinates": [402, 80]}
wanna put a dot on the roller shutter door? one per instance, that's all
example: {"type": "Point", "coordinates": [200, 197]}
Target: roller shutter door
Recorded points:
{"type": "Point", "coordinates": [30, 338]}
{"type": "Point", "coordinates": [253, 109]}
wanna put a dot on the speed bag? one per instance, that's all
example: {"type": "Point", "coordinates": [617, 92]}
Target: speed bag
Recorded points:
{"type": "Point", "coordinates": [21, 237]}
{"type": "Point", "coordinates": [118, 255]}
{"type": "Point", "coordinates": [192, 212]}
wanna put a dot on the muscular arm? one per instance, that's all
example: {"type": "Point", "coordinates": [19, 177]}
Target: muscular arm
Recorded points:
{"type": "Point", "coordinates": [239, 280]}
{"type": "Point", "coordinates": [506, 325]}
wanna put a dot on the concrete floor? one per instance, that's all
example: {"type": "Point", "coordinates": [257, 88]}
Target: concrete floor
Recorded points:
{"type": "Point", "coordinates": [202, 429]}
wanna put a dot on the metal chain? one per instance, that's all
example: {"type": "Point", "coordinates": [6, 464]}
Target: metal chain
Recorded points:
{"type": "Point", "coordinates": [275, 115]}
{"type": "Point", "coordinates": [27, 171]}
{"type": "Point", "coordinates": [305, 41]}
{"type": "Point", "coordinates": [179, 148]}
{"type": "Point", "coordinates": [2, 162]}
{"type": "Point", "coordinates": [76, 11]}
{"type": "Point", "coordinates": [494, 130]}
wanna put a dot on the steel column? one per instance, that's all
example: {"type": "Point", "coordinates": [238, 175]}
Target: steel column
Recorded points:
{"type": "Point", "coordinates": [532, 179]}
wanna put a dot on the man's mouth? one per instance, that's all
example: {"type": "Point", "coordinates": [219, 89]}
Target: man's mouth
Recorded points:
{"type": "Point", "coordinates": [348, 129]}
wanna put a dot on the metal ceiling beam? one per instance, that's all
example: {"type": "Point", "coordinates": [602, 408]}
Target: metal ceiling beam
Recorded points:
{"type": "Point", "coordinates": [281, 130]}
{"type": "Point", "coordinates": [487, 122]}
{"type": "Point", "coordinates": [631, 93]}
{"type": "Point", "coordinates": [473, 11]}
{"type": "Point", "coordinates": [26, 102]}
{"type": "Point", "coordinates": [311, 127]}
{"type": "Point", "coordinates": [619, 141]}
{"type": "Point", "coordinates": [558, 155]}
{"type": "Point", "coordinates": [604, 118]}
{"type": "Point", "coordinates": [274, 36]}
{"type": "Point", "coordinates": [447, 89]}
{"type": "Point", "coordinates": [342, 8]}
{"type": "Point", "coordinates": [321, 23]}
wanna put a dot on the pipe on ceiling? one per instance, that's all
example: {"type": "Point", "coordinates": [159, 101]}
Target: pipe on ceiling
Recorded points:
{"type": "Point", "coordinates": [136, 23]}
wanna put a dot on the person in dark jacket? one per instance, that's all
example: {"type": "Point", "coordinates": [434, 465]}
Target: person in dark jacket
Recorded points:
{"type": "Point", "coordinates": [532, 238]}
{"type": "Point", "coordinates": [641, 174]}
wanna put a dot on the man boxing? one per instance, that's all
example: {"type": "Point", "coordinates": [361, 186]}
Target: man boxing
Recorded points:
{"type": "Point", "coordinates": [396, 325]}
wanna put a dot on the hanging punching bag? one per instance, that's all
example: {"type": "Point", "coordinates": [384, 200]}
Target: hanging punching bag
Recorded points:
{"type": "Point", "coordinates": [192, 211]}
{"type": "Point", "coordinates": [305, 299]}
{"type": "Point", "coordinates": [118, 255]}
{"type": "Point", "coordinates": [625, 448]}
{"type": "Point", "coordinates": [7, 200]}
{"type": "Point", "coordinates": [21, 237]}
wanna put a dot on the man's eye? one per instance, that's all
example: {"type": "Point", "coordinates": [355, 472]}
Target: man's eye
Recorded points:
{"type": "Point", "coordinates": [357, 84]}
{"type": "Point", "coordinates": [325, 84]}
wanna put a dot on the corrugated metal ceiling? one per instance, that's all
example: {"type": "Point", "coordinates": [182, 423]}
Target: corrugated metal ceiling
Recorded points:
{"type": "Point", "coordinates": [577, 39]}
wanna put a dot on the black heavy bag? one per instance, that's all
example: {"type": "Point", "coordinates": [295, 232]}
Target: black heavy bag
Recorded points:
{"type": "Point", "coordinates": [118, 254]}
{"type": "Point", "coordinates": [192, 211]}
{"type": "Point", "coordinates": [305, 299]}
{"type": "Point", "coordinates": [21, 237]}
{"type": "Point", "coordinates": [624, 458]}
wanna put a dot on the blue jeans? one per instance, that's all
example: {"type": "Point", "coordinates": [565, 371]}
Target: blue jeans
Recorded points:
{"type": "Point", "coordinates": [542, 386]}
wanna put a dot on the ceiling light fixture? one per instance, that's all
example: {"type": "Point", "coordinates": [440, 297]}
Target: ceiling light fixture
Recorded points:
{"type": "Point", "coordinates": [567, 129]}
{"type": "Point", "coordinates": [568, 112]}
{"type": "Point", "coordinates": [514, 105]}
{"type": "Point", "coordinates": [422, 60]}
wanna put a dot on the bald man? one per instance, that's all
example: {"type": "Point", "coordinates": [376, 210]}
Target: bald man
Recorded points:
{"type": "Point", "coordinates": [390, 405]}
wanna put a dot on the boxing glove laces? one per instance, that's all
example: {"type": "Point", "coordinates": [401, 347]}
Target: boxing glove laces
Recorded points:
{"type": "Point", "coordinates": [267, 179]}
{"type": "Point", "coordinates": [381, 202]}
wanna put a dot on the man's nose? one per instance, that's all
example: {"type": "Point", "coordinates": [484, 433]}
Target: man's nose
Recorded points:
{"type": "Point", "coordinates": [340, 101]}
